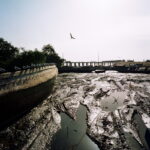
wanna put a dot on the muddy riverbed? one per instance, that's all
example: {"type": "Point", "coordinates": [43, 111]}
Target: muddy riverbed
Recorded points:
{"type": "Point", "coordinates": [117, 114]}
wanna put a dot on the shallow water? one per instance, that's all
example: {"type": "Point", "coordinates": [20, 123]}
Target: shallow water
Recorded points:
{"type": "Point", "coordinates": [114, 101]}
{"type": "Point", "coordinates": [72, 135]}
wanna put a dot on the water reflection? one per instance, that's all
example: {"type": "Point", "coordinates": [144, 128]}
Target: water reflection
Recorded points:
{"type": "Point", "coordinates": [114, 101]}
{"type": "Point", "coordinates": [73, 136]}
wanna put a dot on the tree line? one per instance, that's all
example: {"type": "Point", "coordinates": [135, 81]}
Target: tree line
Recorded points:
{"type": "Point", "coordinates": [11, 56]}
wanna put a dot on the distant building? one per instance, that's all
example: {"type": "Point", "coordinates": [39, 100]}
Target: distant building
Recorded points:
{"type": "Point", "coordinates": [130, 60]}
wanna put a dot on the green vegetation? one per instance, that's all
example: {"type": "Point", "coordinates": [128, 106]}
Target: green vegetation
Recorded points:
{"type": "Point", "coordinates": [52, 56]}
{"type": "Point", "coordinates": [29, 57]}
{"type": "Point", "coordinates": [7, 53]}
{"type": "Point", "coordinates": [11, 56]}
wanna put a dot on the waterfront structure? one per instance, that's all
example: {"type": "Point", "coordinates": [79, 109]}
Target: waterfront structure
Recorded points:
{"type": "Point", "coordinates": [21, 90]}
{"type": "Point", "coordinates": [92, 63]}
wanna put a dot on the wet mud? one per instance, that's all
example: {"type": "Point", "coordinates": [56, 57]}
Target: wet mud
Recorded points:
{"type": "Point", "coordinates": [117, 114]}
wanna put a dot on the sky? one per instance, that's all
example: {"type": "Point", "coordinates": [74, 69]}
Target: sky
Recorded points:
{"type": "Point", "coordinates": [104, 29]}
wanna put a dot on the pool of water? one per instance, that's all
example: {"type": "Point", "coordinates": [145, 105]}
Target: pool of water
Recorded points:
{"type": "Point", "coordinates": [114, 101]}
{"type": "Point", "coordinates": [72, 135]}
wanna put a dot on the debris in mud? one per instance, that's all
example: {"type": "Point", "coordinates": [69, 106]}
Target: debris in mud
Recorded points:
{"type": "Point", "coordinates": [101, 93]}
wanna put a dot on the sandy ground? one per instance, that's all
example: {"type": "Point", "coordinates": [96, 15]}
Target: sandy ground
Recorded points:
{"type": "Point", "coordinates": [111, 99]}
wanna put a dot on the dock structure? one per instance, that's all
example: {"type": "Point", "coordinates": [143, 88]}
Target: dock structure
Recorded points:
{"type": "Point", "coordinates": [21, 90]}
{"type": "Point", "coordinates": [117, 65]}
{"type": "Point", "coordinates": [90, 64]}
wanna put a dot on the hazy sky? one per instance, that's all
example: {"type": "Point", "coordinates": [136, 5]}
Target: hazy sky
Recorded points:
{"type": "Point", "coordinates": [112, 29]}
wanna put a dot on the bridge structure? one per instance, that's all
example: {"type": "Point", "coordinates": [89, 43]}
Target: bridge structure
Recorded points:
{"type": "Point", "coordinates": [91, 64]}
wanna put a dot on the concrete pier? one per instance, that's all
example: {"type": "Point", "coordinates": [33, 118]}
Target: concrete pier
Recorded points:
{"type": "Point", "coordinates": [93, 63]}
{"type": "Point", "coordinates": [21, 90]}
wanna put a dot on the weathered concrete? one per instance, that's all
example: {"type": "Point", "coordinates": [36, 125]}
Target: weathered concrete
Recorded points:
{"type": "Point", "coordinates": [22, 90]}
{"type": "Point", "coordinates": [15, 81]}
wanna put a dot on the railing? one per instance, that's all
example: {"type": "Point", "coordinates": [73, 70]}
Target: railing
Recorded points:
{"type": "Point", "coordinates": [90, 64]}
{"type": "Point", "coordinates": [32, 66]}
{"type": "Point", "coordinates": [21, 76]}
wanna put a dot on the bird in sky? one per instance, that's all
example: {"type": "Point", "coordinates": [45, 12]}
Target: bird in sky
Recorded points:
{"type": "Point", "coordinates": [71, 36]}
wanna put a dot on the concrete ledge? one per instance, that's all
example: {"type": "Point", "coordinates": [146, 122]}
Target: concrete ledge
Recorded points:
{"type": "Point", "coordinates": [24, 92]}
{"type": "Point", "coordinates": [24, 79]}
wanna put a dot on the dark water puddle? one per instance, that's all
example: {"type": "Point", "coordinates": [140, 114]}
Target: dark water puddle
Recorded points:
{"type": "Point", "coordinates": [72, 135]}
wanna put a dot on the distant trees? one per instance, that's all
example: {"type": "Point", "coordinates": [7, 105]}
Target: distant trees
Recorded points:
{"type": "Point", "coordinates": [7, 53]}
{"type": "Point", "coordinates": [51, 55]}
{"type": "Point", "coordinates": [29, 57]}
{"type": "Point", "coordinates": [48, 49]}
{"type": "Point", "coordinates": [10, 56]}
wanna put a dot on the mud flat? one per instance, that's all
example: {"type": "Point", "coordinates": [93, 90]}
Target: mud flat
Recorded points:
{"type": "Point", "coordinates": [111, 99]}
{"type": "Point", "coordinates": [117, 109]}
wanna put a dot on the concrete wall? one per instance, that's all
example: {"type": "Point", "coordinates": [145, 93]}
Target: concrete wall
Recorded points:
{"type": "Point", "coordinates": [21, 90]}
